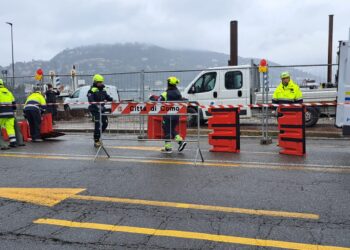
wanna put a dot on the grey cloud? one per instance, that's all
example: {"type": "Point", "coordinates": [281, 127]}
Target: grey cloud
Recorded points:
{"type": "Point", "coordinates": [286, 31]}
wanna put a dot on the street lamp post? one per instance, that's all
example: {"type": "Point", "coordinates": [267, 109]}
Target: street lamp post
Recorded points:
{"type": "Point", "coordinates": [13, 62]}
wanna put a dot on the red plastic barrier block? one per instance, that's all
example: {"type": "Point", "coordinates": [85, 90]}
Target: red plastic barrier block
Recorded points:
{"type": "Point", "coordinates": [291, 115]}
{"type": "Point", "coordinates": [292, 146]}
{"type": "Point", "coordinates": [23, 125]}
{"type": "Point", "coordinates": [213, 111]}
{"type": "Point", "coordinates": [291, 124]}
{"type": "Point", "coordinates": [224, 142]}
{"type": "Point", "coordinates": [291, 132]}
{"type": "Point", "coordinates": [155, 127]}
{"type": "Point", "coordinates": [226, 130]}
{"type": "Point", "coordinates": [46, 124]}
{"type": "Point", "coordinates": [227, 122]}
{"type": "Point", "coordinates": [5, 137]}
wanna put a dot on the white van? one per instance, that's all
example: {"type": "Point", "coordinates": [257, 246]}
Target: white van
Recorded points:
{"type": "Point", "coordinates": [74, 102]}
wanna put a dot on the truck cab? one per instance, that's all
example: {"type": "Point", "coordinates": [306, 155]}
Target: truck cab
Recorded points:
{"type": "Point", "coordinates": [240, 85]}
{"type": "Point", "coordinates": [232, 85]}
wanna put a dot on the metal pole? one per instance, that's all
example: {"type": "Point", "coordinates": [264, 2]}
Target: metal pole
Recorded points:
{"type": "Point", "coordinates": [330, 47]}
{"type": "Point", "coordinates": [142, 96]}
{"type": "Point", "coordinates": [266, 108]}
{"type": "Point", "coordinates": [262, 111]}
{"type": "Point", "coordinates": [13, 60]}
{"type": "Point", "coordinates": [265, 119]}
{"type": "Point", "coordinates": [233, 43]}
{"type": "Point", "coordinates": [199, 152]}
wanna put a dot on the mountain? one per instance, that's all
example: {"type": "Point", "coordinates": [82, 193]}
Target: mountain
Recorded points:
{"type": "Point", "coordinates": [127, 57]}
{"type": "Point", "coordinates": [131, 57]}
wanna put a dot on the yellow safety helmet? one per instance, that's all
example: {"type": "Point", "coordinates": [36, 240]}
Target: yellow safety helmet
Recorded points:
{"type": "Point", "coordinates": [172, 80]}
{"type": "Point", "coordinates": [98, 78]}
{"type": "Point", "coordinates": [285, 74]}
{"type": "Point", "coordinates": [1, 82]}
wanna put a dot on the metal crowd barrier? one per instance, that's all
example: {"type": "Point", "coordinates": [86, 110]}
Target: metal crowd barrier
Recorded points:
{"type": "Point", "coordinates": [129, 118]}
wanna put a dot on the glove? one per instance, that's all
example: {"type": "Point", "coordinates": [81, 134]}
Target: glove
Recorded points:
{"type": "Point", "coordinates": [154, 98]}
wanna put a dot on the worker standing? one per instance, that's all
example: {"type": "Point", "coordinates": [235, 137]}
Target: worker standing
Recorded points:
{"type": "Point", "coordinates": [34, 107]}
{"type": "Point", "coordinates": [50, 95]}
{"type": "Point", "coordinates": [287, 91]}
{"type": "Point", "coordinates": [97, 93]}
{"type": "Point", "coordinates": [7, 114]}
{"type": "Point", "coordinates": [171, 122]}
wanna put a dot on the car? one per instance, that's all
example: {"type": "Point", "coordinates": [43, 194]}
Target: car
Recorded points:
{"type": "Point", "coordinates": [79, 101]}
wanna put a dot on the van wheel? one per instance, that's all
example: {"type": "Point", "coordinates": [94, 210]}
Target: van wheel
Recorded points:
{"type": "Point", "coordinates": [311, 116]}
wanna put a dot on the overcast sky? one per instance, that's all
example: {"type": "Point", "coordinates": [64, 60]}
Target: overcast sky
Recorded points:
{"type": "Point", "coordinates": [285, 31]}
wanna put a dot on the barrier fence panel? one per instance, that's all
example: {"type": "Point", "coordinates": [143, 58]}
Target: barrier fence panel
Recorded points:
{"type": "Point", "coordinates": [124, 124]}
{"type": "Point", "coordinates": [139, 85]}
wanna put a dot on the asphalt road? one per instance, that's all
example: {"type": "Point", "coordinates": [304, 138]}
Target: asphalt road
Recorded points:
{"type": "Point", "coordinates": [54, 196]}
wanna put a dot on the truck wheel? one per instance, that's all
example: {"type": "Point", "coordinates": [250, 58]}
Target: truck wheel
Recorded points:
{"type": "Point", "coordinates": [192, 119]}
{"type": "Point", "coordinates": [311, 117]}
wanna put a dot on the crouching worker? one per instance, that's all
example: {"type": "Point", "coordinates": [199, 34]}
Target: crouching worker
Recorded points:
{"type": "Point", "coordinates": [97, 93]}
{"type": "Point", "coordinates": [170, 122]}
{"type": "Point", "coordinates": [34, 107]}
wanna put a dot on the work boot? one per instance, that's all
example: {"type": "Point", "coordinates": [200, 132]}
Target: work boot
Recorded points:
{"type": "Point", "coordinates": [97, 144]}
{"type": "Point", "coordinates": [182, 144]}
{"type": "Point", "coordinates": [167, 148]}
{"type": "Point", "coordinates": [13, 144]}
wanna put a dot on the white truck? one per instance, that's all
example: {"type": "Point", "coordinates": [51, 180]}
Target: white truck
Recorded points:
{"type": "Point", "coordinates": [343, 110]}
{"type": "Point", "coordinates": [240, 85]}
{"type": "Point", "coordinates": [79, 101]}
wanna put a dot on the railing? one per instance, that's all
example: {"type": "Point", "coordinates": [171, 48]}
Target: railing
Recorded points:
{"type": "Point", "coordinates": [139, 85]}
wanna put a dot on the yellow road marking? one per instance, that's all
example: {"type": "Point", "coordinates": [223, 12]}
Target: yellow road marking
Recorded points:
{"type": "Point", "coordinates": [136, 148]}
{"type": "Point", "coordinates": [40, 196]}
{"type": "Point", "coordinates": [200, 207]}
{"type": "Point", "coordinates": [53, 196]}
{"type": "Point", "coordinates": [308, 167]}
{"type": "Point", "coordinates": [186, 235]}
{"type": "Point", "coordinates": [156, 149]}
{"type": "Point", "coordinates": [123, 159]}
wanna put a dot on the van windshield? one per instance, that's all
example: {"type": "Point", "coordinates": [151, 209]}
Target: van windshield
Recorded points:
{"type": "Point", "coordinates": [205, 83]}
{"type": "Point", "coordinates": [76, 94]}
